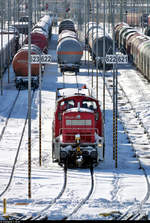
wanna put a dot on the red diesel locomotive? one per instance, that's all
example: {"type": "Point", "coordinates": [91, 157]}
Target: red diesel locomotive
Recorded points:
{"type": "Point", "coordinates": [77, 129]}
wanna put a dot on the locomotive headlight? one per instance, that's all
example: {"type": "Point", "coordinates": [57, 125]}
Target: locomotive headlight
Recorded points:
{"type": "Point", "coordinates": [99, 145]}
{"type": "Point", "coordinates": [77, 138]}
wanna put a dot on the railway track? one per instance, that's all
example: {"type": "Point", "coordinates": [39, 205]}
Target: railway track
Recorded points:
{"type": "Point", "coordinates": [9, 115]}
{"type": "Point", "coordinates": [18, 148]}
{"type": "Point", "coordinates": [74, 79]}
{"type": "Point", "coordinates": [46, 212]}
{"type": "Point", "coordinates": [127, 109]}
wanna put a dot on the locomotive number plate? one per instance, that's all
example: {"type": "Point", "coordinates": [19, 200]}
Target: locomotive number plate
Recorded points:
{"type": "Point", "coordinates": [45, 59]}
{"type": "Point", "coordinates": [119, 59]}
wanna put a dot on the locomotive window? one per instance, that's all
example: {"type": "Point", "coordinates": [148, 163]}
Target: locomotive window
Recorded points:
{"type": "Point", "coordinates": [66, 104]}
{"type": "Point", "coordinates": [79, 122]}
{"type": "Point", "coordinates": [89, 104]}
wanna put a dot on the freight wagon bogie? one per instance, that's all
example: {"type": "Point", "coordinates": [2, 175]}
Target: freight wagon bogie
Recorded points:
{"type": "Point", "coordinates": [69, 67]}
{"type": "Point", "coordinates": [22, 82]}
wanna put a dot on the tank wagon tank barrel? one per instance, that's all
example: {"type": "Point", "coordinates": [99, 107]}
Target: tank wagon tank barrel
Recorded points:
{"type": "Point", "coordinates": [69, 48]}
{"type": "Point", "coordinates": [9, 37]}
{"type": "Point", "coordinates": [40, 35]}
{"type": "Point", "coordinates": [94, 39]}
{"type": "Point", "coordinates": [136, 45]}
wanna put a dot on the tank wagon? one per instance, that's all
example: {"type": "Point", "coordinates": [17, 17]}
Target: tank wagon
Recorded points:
{"type": "Point", "coordinates": [138, 19]}
{"type": "Point", "coordinates": [69, 51]}
{"type": "Point", "coordinates": [133, 19]}
{"type": "Point", "coordinates": [95, 36]}
{"type": "Point", "coordinates": [77, 129]}
{"type": "Point", "coordinates": [41, 33]}
{"type": "Point", "coordinates": [137, 45]}
{"type": "Point", "coordinates": [10, 43]}
{"type": "Point", "coordinates": [147, 31]}
{"type": "Point", "coordinates": [20, 66]}
{"type": "Point", "coordinates": [66, 24]}
{"type": "Point", "coordinates": [39, 45]}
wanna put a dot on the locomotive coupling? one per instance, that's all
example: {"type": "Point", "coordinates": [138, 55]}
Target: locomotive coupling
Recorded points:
{"type": "Point", "coordinates": [77, 139]}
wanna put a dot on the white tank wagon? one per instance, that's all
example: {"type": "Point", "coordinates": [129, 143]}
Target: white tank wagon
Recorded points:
{"type": "Point", "coordinates": [69, 51]}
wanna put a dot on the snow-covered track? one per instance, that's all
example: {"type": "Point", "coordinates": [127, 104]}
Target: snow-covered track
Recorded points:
{"type": "Point", "coordinates": [85, 199]}
{"type": "Point", "coordinates": [74, 78]}
{"type": "Point", "coordinates": [17, 152]}
{"type": "Point", "coordinates": [44, 213]}
{"type": "Point", "coordinates": [41, 215]}
{"type": "Point", "coordinates": [9, 114]}
{"type": "Point", "coordinates": [126, 108]}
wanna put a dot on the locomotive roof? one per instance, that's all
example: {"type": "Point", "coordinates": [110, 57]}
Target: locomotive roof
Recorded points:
{"type": "Point", "coordinates": [73, 92]}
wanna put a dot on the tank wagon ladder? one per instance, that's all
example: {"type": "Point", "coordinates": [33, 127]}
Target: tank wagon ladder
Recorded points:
{"type": "Point", "coordinates": [16, 156]}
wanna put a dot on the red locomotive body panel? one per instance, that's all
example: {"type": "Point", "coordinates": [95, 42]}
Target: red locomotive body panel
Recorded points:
{"type": "Point", "coordinates": [78, 122]}
{"type": "Point", "coordinates": [77, 129]}
{"type": "Point", "coordinates": [73, 102]}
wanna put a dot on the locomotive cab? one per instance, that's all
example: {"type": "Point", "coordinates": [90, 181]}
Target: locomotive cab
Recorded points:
{"type": "Point", "coordinates": [77, 131]}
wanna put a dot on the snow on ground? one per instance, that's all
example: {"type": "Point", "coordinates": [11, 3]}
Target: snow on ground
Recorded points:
{"type": "Point", "coordinates": [115, 189]}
